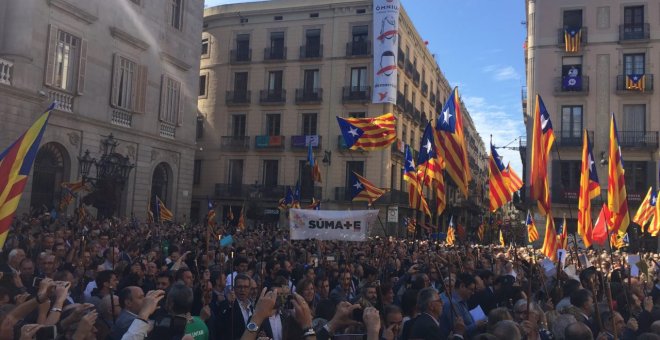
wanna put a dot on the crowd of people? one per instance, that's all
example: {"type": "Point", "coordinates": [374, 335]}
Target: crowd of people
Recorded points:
{"type": "Point", "coordinates": [121, 279]}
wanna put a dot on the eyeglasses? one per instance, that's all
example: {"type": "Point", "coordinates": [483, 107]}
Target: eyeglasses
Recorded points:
{"type": "Point", "coordinates": [241, 287]}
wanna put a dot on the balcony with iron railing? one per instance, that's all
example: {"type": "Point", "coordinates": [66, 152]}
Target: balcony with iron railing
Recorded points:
{"type": "Point", "coordinates": [394, 197]}
{"type": "Point", "coordinates": [634, 33]}
{"type": "Point", "coordinates": [638, 139]}
{"type": "Point", "coordinates": [237, 98]}
{"type": "Point", "coordinates": [572, 139]}
{"type": "Point", "coordinates": [302, 142]}
{"type": "Point", "coordinates": [417, 116]}
{"type": "Point", "coordinates": [567, 86]}
{"type": "Point", "coordinates": [275, 54]}
{"type": "Point", "coordinates": [235, 143]}
{"type": "Point", "coordinates": [400, 101]}
{"type": "Point", "coordinates": [240, 56]}
{"type": "Point", "coordinates": [6, 67]}
{"type": "Point", "coordinates": [353, 94]}
{"type": "Point", "coordinates": [561, 41]}
{"type": "Point", "coordinates": [409, 69]}
{"type": "Point", "coordinates": [309, 96]}
{"type": "Point", "coordinates": [401, 59]}
{"type": "Point", "coordinates": [416, 78]}
{"type": "Point", "coordinates": [563, 195]}
{"type": "Point", "coordinates": [232, 190]}
{"type": "Point", "coordinates": [626, 84]}
{"type": "Point", "coordinates": [311, 51]}
{"type": "Point", "coordinates": [408, 109]}
{"type": "Point", "coordinates": [358, 48]}
{"type": "Point", "coordinates": [266, 143]}
{"type": "Point", "coordinates": [272, 97]}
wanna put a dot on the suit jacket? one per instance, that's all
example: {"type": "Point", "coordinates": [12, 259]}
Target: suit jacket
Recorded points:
{"type": "Point", "coordinates": [424, 327]}
{"type": "Point", "coordinates": [268, 329]}
{"type": "Point", "coordinates": [122, 324]}
{"type": "Point", "coordinates": [485, 298]}
{"type": "Point", "coordinates": [231, 324]}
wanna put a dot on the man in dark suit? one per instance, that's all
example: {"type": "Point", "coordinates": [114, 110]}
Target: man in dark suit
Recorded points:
{"type": "Point", "coordinates": [427, 324]}
{"type": "Point", "coordinates": [130, 300]}
{"type": "Point", "coordinates": [583, 301]}
{"type": "Point", "coordinates": [235, 311]}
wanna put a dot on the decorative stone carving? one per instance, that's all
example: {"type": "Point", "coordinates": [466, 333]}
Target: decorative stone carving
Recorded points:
{"type": "Point", "coordinates": [74, 138]}
{"type": "Point", "coordinates": [130, 151]}
{"type": "Point", "coordinates": [174, 157]}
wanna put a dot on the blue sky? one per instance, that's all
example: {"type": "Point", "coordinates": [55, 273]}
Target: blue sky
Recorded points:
{"type": "Point", "coordinates": [479, 46]}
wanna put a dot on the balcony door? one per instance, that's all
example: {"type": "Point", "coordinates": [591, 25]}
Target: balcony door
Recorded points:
{"type": "Point", "coordinates": [358, 80]}
{"type": "Point", "coordinates": [311, 83]}
{"type": "Point", "coordinates": [634, 63]}
{"type": "Point", "coordinates": [235, 176]}
{"type": "Point", "coordinates": [633, 19]}
{"type": "Point", "coordinates": [634, 119]}
{"type": "Point", "coordinates": [240, 85]}
{"type": "Point", "coordinates": [573, 19]}
{"type": "Point", "coordinates": [571, 125]}
{"type": "Point", "coordinates": [275, 84]}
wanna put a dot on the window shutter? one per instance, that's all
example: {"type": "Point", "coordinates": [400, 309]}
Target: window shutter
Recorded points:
{"type": "Point", "coordinates": [141, 89]}
{"type": "Point", "coordinates": [82, 64]}
{"type": "Point", "coordinates": [180, 112]}
{"type": "Point", "coordinates": [50, 55]}
{"type": "Point", "coordinates": [116, 70]}
{"type": "Point", "coordinates": [163, 97]}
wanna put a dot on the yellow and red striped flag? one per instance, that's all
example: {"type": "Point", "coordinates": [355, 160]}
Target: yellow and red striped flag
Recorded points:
{"type": "Point", "coordinates": [589, 188]}
{"type": "Point", "coordinates": [563, 236]}
{"type": "Point", "coordinates": [636, 82]}
{"type": "Point", "coordinates": [241, 220]}
{"type": "Point", "coordinates": [646, 208]}
{"type": "Point", "coordinates": [502, 243]}
{"type": "Point", "coordinates": [363, 190]}
{"type": "Point", "coordinates": [617, 198]}
{"type": "Point", "coordinates": [429, 167]}
{"type": "Point", "coordinates": [368, 133]}
{"type": "Point", "coordinates": [15, 165]}
{"type": "Point", "coordinates": [515, 182]}
{"type": "Point", "coordinates": [411, 225]}
{"type": "Point", "coordinates": [532, 232]}
{"type": "Point", "coordinates": [572, 37]}
{"type": "Point", "coordinates": [164, 214]}
{"type": "Point", "coordinates": [449, 132]}
{"type": "Point", "coordinates": [550, 242]}
{"type": "Point", "coordinates": [543, 137]}
{"type": "Point", "coordinates": [498, 185]}
{"type": "Point", "coordinates": [416, 198]}
{"type": "Point", "coordinates": [481, 232]}
{"type": "Point", "coordinates": [451, 232]}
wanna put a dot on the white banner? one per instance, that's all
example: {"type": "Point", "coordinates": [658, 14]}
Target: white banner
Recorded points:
{"type": "Point", "coordinates": [386, 35]}
{"type": "Point", "coordinates": [341, 225]}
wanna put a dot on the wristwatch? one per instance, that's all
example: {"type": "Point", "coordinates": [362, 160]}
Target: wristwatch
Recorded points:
{"type": "Point", "coordinates": [252, 327]}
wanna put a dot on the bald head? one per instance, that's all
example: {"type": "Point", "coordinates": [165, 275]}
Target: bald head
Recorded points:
{"type": "Point", "coordinates": [578, 331]}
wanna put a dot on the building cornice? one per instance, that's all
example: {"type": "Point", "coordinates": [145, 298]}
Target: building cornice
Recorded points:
{"type": "Point", "coordinates": [22, 93]}
{"type": "Point", "coordinates": [178, 63]}
{"type": "Point", "coordinates": [126, 37]}
{"type": "Point", "coordinates": [74, 11]}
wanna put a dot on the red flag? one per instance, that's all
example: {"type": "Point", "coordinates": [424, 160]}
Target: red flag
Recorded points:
{"type": "Point", "coordinates": [599, 234]}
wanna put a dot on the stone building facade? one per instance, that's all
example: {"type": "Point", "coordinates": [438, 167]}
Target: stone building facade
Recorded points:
{"type": "Point", "coordinates": [126, 68]}
{"type": "Point", "coordinates": [274, 75]}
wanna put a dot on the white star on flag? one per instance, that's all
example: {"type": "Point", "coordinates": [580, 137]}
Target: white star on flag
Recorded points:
{"type": "Point", "coordinates": [353, 131]}
{"type": "Point", "coordinates": [544, 121]}
{"type": "Point", "coordinates": [357, 185]}
{"type": "Point", "coordinates": [411, 163]}
{"type": "Point", "coordinates": [446, 116]}
{"type": "Point", "coordinates": [428, 146]}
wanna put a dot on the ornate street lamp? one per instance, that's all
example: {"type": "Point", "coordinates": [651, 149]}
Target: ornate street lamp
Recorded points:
{"type": "Point", "coordinates": [112, 172]}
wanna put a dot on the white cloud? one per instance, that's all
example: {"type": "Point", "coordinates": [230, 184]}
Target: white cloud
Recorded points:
{"type": "Point", "coordinates": [505, 126]}
{"type": "Point", "coordinates": [501, 73]}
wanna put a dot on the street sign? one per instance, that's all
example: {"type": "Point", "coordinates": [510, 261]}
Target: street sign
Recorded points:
{"type": "Point", "coordinates": [393, 214]}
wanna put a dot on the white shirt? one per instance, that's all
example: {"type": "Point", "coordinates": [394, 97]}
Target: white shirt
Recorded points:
{"type": "Point", "coordinates": [88, 290]}
{"type": "Point", "coordinates": [247, 312]}
{"type": "Point", "coordinates": [276, 326]}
